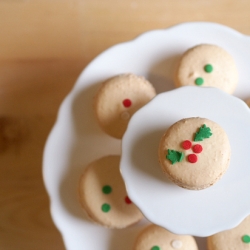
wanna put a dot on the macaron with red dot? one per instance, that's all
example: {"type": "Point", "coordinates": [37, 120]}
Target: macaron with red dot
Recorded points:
{"type": "Point", "coordinates": [194, 153]}
{"type": "Point", "coordinates": [103, 195]}
{"type": "Point", "coordinates": [118, 98]}
{"type": "Point", "coordinates": [207, 65]}
{"type": "Point", "coordinates": [235, 238]}
{"type": "Point", "coordinates": [154, 237]}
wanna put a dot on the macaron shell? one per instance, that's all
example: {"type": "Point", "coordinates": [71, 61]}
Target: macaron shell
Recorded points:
{"type": "Point", "coordinates": [100, 173]}
{"type": "Point", "coordinates": [111, 112]}
{"type": "Point", "coordinates": [247, 101]}
{"type": "Point", "coordinates": [191, 66]}
{"type": "Point", "coordinates": [211, 163]}
{"type": "Point", "coordinates": [154, 235]}
{"type": "Point", "coordinates": [231, 239]}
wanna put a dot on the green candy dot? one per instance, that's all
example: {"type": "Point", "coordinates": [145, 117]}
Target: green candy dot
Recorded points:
{"type": "Point", "coordinates": [208, 68]}
{"type": "Point", "coordinates": [106, 207]}
{"type": "Point", "coordinates": [155, 248]}
{"type": "Point", "coordinates": [199, 81]}
{"type": "Point", "coordinates": [107, 189]}
{"type": "Point", "coordinates": [246, 238]}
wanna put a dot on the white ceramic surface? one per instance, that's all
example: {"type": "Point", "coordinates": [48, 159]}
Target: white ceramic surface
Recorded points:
{"type": "Point", "coordinates": [76, 139]}
{"type": "Point", "coordinates": [200, 213]}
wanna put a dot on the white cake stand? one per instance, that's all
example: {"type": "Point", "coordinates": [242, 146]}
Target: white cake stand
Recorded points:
{"type": "Point", "coordinates": [200, 213]}
{"type": "Point", "coordinates": [76, 140]}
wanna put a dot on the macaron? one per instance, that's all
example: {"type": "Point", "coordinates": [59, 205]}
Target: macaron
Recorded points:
{"type": "Point", "coordinates": [103, 195]}
{"type": "Point", "coordinates": [247, 101]}
{"type": "Point", "coordinates": [236, 238]}
{"type": "Point", "coordinates": [154, 237]}
{"type": "Point", "coordinates": [207, 65]}
{"type": "Point", "coordinates": [118, 98]}
{"type": "Point", "coordinates": [194, 153]}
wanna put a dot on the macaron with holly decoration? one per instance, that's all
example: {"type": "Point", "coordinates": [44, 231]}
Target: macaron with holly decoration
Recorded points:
{"type": "Point", "coordinates": [236, 238]}
{"type": "Point", "coordinates": [194, 153]}
{"type": "Point", "coordinates": [154, 237]}
{"type": "Point", "coordinates": [103, 195]}
{"type": "Point", "coordinates": [207, 65]}
{"type": "Point", "coordinates": [118, 98]}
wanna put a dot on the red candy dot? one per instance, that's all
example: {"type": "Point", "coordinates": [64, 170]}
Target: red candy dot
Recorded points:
{"type": "Point", "coordinates": [192, 158]}
{"type": "Point", "coordinates": [186, 144]}
{"type": "Point", "coordinates": [127, 200]}
{"type": "Point", "coordinates": [127, 103]}
{"type": "Point", "coordinates": [197, 148]}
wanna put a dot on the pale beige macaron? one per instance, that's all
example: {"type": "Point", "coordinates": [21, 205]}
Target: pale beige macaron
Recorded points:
{"type": "Point", "coordinates": [207, 65]}
{"type": "Point", "coordinates": [154, 237]}
{"type": "Point", "coordinates": [247, 101]}
{"type": "Point", "coordinates": [118, 99]}
{"type": "Point", "coordinates": [237, 238]}
{"type": "Point", "coordinates": [194, 153]}
{"type": "Point", "coordinates": [103, 195]}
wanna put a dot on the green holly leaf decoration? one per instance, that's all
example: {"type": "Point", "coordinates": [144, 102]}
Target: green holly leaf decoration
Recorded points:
{"type": "Point", "coordinates": [174, 156]}
{"type": "Point", "coordinates": [203, 133]}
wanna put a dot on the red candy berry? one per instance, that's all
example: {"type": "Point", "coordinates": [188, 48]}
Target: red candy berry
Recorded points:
{"type": "Point", "coordinates": [197, 148]}
{"type": "Point", "coordinates": [127, 200]}
{"type": "Point", "coordinates": [186, 144]}
{"type": "Point", "coordinates": [127, 103]}
{"type": "Point", "coordinates": [192, 158]}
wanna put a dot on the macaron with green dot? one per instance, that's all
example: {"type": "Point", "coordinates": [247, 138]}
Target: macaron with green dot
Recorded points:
{"type": "Point", "coordinates": [154, 237]}
{"type": "Point", "coordinates": [235, 238]}
{"type": "Point", "coordinates": [207, 65]}
{"type": "Point", "coordinates": [103, 196]}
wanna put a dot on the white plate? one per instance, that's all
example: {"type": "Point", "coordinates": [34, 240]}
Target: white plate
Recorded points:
{"type": "Point", "coordinates": [182, 211]}
{"type": "Point", "coordinates": [76, 139]}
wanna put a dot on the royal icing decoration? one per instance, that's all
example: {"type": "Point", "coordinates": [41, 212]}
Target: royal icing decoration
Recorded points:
{"type": "Point", "coordinates": [203, 133]}
{"type": "Point", "coordinates": [107, 189]}
{"type": "Point", "coordinates": [199, 81]}
{"type": "Point", "coordinates": [192, 158]}
{"type": "Point", "coordinates": [208, 68]}
{"type": "Point", "coordinates": [106, 207]}
{"type": "Point", "coordinates": [186, 144]}
{"type": "Point", "coordinates": [174, 156]}
{"type": "Point", "coordinates": [127, 200]}
{"type": "Point", "coordinates": [197, 148]}
{"type": "Point", "coordinates": [127, 103]}
{"type": "Point", "coordinates": [155, 248]}
{"type": "Point", "coordinates": [125, 115]}
{"type": "Point", "coordinates": [176, 244]}
{"type": "Point", "coordinates": [246, 238]}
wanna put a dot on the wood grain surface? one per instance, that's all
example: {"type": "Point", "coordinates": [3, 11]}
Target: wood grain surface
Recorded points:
{"type": "Point", "coordinates": [44, 46]}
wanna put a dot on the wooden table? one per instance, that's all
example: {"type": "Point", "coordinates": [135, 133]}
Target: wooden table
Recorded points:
{"type": "Point", "coordinates": [44, 45]}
